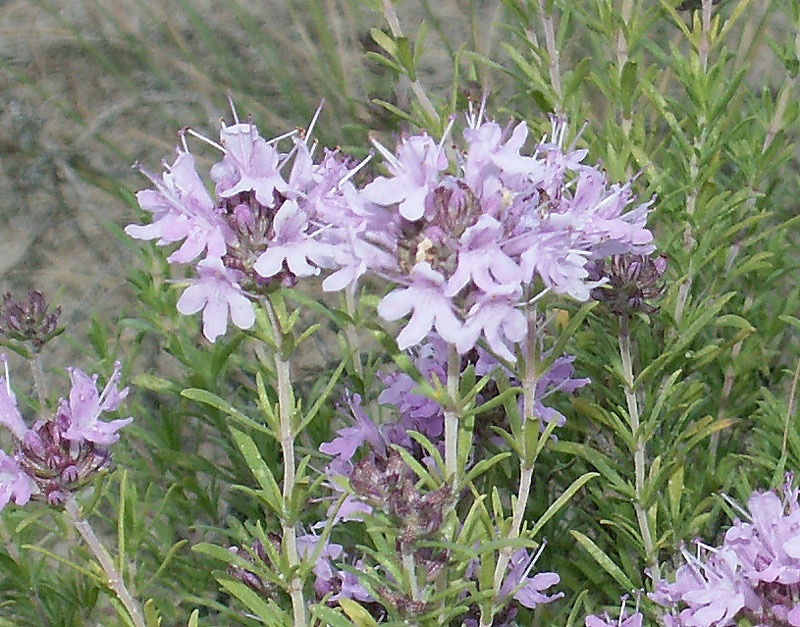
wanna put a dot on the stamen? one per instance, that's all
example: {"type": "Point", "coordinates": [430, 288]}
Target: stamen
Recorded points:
{"type": "Point", "coordinates": [205, 139]}
{"type": "Point", "coordinates": [622, 610]}
{"type": "Point", "coordinates": [313, 120]}
{"type": "Point", "coordinates": [575, 139]}
{"type": "Point", "coordinates": [446, 133]}
{"type": "Point", "coordinates": [354, 171]}
{"type": "Point", "coordinates": [275, 140]}
{"type": "Point", "coordinates": [738, 508]}
{"type": "Point", "coordinates": [182, 135]}
{"type": "Point", "coordinates": [534, 560]}
{"type": "Point", "coordinates": [232, 106]}
{"type": "Point", "coordinates": [4, 359]}
{"type": "Point", "coordinates": [385, 152]}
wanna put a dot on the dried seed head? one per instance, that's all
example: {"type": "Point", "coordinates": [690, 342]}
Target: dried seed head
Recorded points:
{"type": "Point", "coordinates": [631, 281]}
{"type": "Point", "coordinates": [28, 321]}
{"type": "Point", "coordinates": [57, 465]}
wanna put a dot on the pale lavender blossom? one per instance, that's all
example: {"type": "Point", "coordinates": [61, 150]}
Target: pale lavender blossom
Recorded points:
{"type": "Point", "coordinates": [755, 574]}
{"type": "Point", "coordinates": [59, 455]}
{"type": "Point", "coordinates": [250, 164]}
{"type": "Point", "coordinates": [15, 483]}
{"type": "Point", "coordinates": [528, 591]}
{"type": "Point", "coordinates": [348, 439]}
{"type": "Point", "coordinates": [350, 587]}
{"type": "Point", "coordinates": [82, 412]}
{"type": "Point", "coordinates": [293, 246]}
{"type": "Point", "coordinates": [498, 221]}
{"type": "Point", "coordinates": [414, 173]}
{"type": "Point", "coordinates": [431, 308]}
{"type": "Point", "coordinates": [499, 320]}
{"type": "Point", "coordinates": [326, 576]}
{"type": "Point", "coordinates": [217, 293]}
{"type": "Point", "coordinates": [182, 211]}
{"type": "Point", "coordinates": [707, 594]}
{"type": "Point", "coordinates": [9, 414]}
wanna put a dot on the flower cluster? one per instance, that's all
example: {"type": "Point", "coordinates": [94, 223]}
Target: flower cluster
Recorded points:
{"type": "Point", "coordinates": [57, 456]}
{"type": "Point", "coordinates": [264, 227]}
{"type": "Point", "coordinates": [465, 233]}
{"type": "Point", "coordinates": [474, 232]}
{"type": "Point", "coordinates": [755, 574]}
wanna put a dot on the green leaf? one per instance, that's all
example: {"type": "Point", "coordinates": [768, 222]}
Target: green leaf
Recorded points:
{"type": "Point", "coordinates": [360, 616]}
{"type": "Point", "coordinates": [151, 617]}
{"type": "Point", "coordinates": [328, 616]}
{"type": "Point", "coordinates": [562, 500]}
{"type": "Point", "coordinates": [193, 619]}
{"type": "Point", "coordinates": [323, 397]}
{"type": "Point", "coordinates": [259, 468]}
{"type": "Point", "coordinates": [252, 601]}
{"type": "Point", "coordinates": [603, 560]}
{"type": "Point", "coordinates": [203, 396]}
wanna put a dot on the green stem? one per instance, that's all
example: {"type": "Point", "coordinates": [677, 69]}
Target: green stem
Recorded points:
{"type": "Point", "coordinates": [407, 551]}
{"type": "Point", "coordinates": [115, 581]}
{"type": "Point", "coordinates": [529, 421]}
{"type": "Point", "coordinates": [639, 463]}
{"type": "Point", "coordinates": [287, 435]}
{"type": "Point", "coordinates": [451, 416]}
{"type": "Point", "coordinates": [552, 52]}
{"type": "Point", "coordinates": [351, 335]}
{"type": "Point", "coordinates": [39, 381]}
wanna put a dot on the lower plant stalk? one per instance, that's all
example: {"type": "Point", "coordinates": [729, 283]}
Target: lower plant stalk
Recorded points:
{"type": "Point", "coordinates": [286, 435]}
{"type": "Point", "coordinates": [451, 415]}
{"type": "Point", "coordinates": [638, 452]}
{"type": "Point", "coordinates": [114, 579]}
{"type": "Point", "coordinates": [525, 469]}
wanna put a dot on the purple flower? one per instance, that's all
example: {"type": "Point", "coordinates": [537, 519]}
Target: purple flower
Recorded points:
{"type": "Point", "coordinates": [769, 546]}
{"type": "Point", "coordinates": [528, 589]}
{"type": "Point", "coordinates": [82, 412]}
{"type": "Point", "coordinates": [415, 172]}
{"type": "Point", "coordinates": [217, 293]}
{"type": "Point", "coordinates": [326, 577]}
{"type": "Point", "coordinates": [14, 482]}
{"type": "Point", "coordinates": [350, 588]}
{"type": "Point", "coordinates": [432, 309]}
{"type": "Point", "coordinates": [712, 593]}
{"type": "Point", "coordinates": [182, 210]}
{"type": "Point", "coordinates": [500, 321]}
{"type": "Point", "coordinates": [482, 260]}
{"type": "Point", "coordinates": [250, 164]}
{"type": "Point", "coordinates": [293, 245]}
{"type": "Point", "coordinates": [350, 438]}
{"type": "Point", "coordinates": [9, 414]}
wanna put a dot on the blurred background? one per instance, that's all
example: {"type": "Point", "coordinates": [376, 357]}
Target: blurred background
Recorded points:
{"type": "Point", "coordinates": [88, 88]}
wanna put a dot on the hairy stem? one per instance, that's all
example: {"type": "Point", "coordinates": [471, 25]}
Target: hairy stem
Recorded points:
{"type": "Point", "coordinates": [552, 51]}
{"type": "Point", "coordinates": [287, 435]}
{"type": "Point", "coordinates": [351, 335]}
{"type": "Point", "coordinates": [407, 551]}
{"type": "Point", "coordinates": [39, 381]}
{"type": "Point", "coordinates": [451, 415]}
{"type": "Point", "coordinates": [115, 581]}
{"type": "Point", "coordinates": [529, 421]}
{"type": "Point", "coordinates": [625, 350]}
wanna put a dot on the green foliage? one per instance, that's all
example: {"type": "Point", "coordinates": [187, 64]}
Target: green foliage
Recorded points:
{"type": "Point", "coordinates": [702, 392]}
